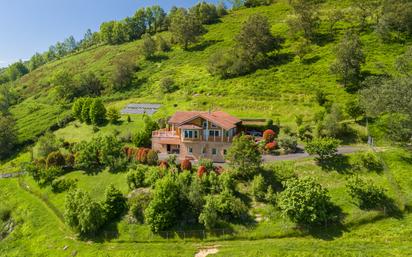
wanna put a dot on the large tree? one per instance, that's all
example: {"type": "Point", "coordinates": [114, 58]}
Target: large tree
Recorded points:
{"type": "Point", "coordinates": [306, 19]}
{"type": "Point", "coordinates": [244, 155]}
{"type": "Point", "coordinates": [349, 58]}
{"type": "Point", "coordinates": [185, 27]}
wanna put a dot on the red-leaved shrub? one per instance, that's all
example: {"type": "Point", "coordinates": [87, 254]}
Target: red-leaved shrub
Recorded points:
{"type": "Point", "coordinates": [269, 135]}
{"type": "Point", "coordinates": [200, 171]}
{"type": "Point", "coordinates": [186, 165]}
{"type": "Point", "coordinates": [271, 146]}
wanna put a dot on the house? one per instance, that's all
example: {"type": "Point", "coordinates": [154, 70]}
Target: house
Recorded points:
{"type": "Point", "coordinates": [195, 135]}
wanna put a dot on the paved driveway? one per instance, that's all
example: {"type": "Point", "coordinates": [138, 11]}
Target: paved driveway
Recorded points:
{"type": "Point", "coordinates": [297, 156]}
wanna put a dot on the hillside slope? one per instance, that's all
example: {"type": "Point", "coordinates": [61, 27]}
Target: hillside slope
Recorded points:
{"type": "Point", "coordinates": [280, 91]}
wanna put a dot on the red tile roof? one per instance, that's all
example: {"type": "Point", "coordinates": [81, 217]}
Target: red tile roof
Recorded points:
{"type": "Point", "coordinates": [219, 118]}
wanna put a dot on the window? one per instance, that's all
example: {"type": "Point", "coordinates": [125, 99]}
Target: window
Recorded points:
{"type": "Point", "coordinates": [213, 126]}
{"type": "Point", "coordinates": [224, 152]}
{"type": "Point", "coordinates": [190, 150]}
{"type": "Point", "coordinates": [214, 151]}
{"type": "Point", "coordinates": [191, 133]}
{"type": "Point", "coordinates": [214, 133]}
{"type": "Point", "coordinates": [205, 124]}
{"type": "Point", "coordinates": [196, 133]}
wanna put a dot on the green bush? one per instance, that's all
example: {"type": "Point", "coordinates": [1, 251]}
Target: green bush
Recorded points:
{"type": "Point", "coordinates": [324, 148]}
{"type": "Point", "coordinates": [365, 194]}
{"type": "Point", "coordinates": [114, 204]}
{"type": "Point", "coordinates": [367, 161]}
{"type": "Point", "coordinates": [136, 177]}
{"type": "Point", "coordinates": [61, 185]}
{"type": "Point", "coordinates": [55, 159]}
{"type": "Point", "coordinates": [289, 144]}
{"type": "Point", "coordinates": [161, 214]}
{"type": "Point", "coordinates": [137, 206]}
{"type": "Point", "coordinates": [113, 115]}
{"type": "Point", "coordinates": [152, 158]}
{"type": "Point", "coordinates": [306, 202]}
{"type": "Point", "coordinates": [258, 187]}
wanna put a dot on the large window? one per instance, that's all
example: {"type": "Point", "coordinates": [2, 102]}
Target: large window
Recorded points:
{"type": "Point", "coordinates": [191, 133]}
{"type": "Point", "coordinates": [214, 133]}
{"type": "Point", "coordinates": [214, 151]}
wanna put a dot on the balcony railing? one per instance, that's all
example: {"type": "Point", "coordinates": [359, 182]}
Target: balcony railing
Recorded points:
{"type": "Point", "coordinates": [165, 133]}
{"type": "Point", "coordinates": [209, 139]}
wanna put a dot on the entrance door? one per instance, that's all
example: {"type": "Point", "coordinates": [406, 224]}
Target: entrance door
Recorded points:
{"type": "Point", "coordinates": [168, 148]}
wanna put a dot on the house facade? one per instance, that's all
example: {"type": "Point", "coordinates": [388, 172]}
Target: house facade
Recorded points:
{"type": "Point", "coordinates": [195, 135]}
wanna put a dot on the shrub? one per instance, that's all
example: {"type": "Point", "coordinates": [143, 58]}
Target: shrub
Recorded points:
{"type": "Point", "coordinates": [186, 165]}
{"type": "Point", "coordinates": [82, 213]}
{"type": "Point", "coordinates": [46, 144]}
{"type": "Point", "coordinates": [209, 215]}
{"type": "Point", "coordinates": [137, 206]}
{"type": "Point", "coordinates": [269, 135]}
{"type": "Point", "coordinates": [289, 144]}
{"type": "Point", "coordinates": [366, 194]}
{"type": "Point", "coordinates": [97, 113]}
{"type": "Point", "coordinates": [136, 178]}
{"type": "Point", "coordinates": [114, 203]}
{"type": "Point", "coordinates": [152, 175]}
{"type": "Point", "coordinates": [258, 187]}
{"type": "Point", "coordinates": [163, 165]}
{"type": "Point", "coordinates": [207, 163]}
{"type": "Point", "coordinates": [305, 132]}
{"type": "Point", "coordinates": [305, 202]}
{"type": "Point", "coordinates": [162, 210]}
{"type": "Point", "coordinates": [367, 161]}
{"type": "Point", "coordinates": [55, 159]}
{"type": "Point", "coordinates": [141, 155]}
{"type": "Point", "coordinates": [113, 115]}
{"type": "Point", "coordinates": [271, 146]}
{"type": "Point", "coordinates": [61, 185]}
{"type": "Point", "coordinates": [152, 157]}
{"type": "Point", "coordinates": [325, 148]}
{"type": "Point", "coordinates": [201, 170]}
{"type": "Point", "coordinates": [168, 85]}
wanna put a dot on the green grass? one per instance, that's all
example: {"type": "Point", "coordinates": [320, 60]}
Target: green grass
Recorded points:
{"type": "Point", "coordinates": [278, 92]}
{"type": "Point", "coordinates": [363, 233]}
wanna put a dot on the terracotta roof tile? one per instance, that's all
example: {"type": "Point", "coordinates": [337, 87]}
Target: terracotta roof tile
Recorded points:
{"type": "Point", "coordinates": [219, 118]}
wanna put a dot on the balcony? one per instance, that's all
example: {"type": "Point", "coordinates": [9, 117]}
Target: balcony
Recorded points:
{"type": "Point", "coordinates": [209, 139]}
{"type": "Point", "coordinates": [165, 133]}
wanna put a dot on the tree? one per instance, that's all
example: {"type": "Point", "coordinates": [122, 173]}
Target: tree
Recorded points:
{"type": "Point", "coordinates": [122, 75]}
{"type": "Point", "coordinates": [326, 148]}
{"type": "Point", "coordinates": [90, 85]}
{"type": "Point", "coordinates": [255, 3]}
{"type": "Point", "coordinates": [8, 138]}
{"type": "Point", "coordinates": [168, 85]}
{"type": "Point", "coordinates": [185, 28]}
{"type": "Point", "coordinates": [82, 213]}
{"type": "Point", "coordinates": [349, 58]}
{"type": "Point", "coordinates": [244, 155]}
{"type": "Point", "coordinates": [97, 112]}
{"type": "Point", "coordinates": [161, 213]}
{"type": "Point", "coordinates": [85, 114]}
{"type": "Point", "coordinates": [77, 108]}
{"type": "Point", "coordinates": [306, 202]}
{"type": "Point", "coordinates": [255, 39]}
{"type": "Point", "coordinates": [306, 18]}
{"type": "Point", "coordinates": [159, 18]}
{"type": "Point", "coordinates": [65, 86]}
{"type": "Point", "coordinates": [46, 144]}
{"type": "Point", "coordinates": [148, 47]}
{"type": "Point", "coordinates": [205, 12]}
{"type": "Point", "coordinates": [55, 159]}
{"type": "Point", "coordinates": [395, 19]}
{"type": "Point", "coordinates": [110, 150]}
{"type": "Point", "coordinates": [135, 178]}
{"type": "Point", "coordinates": [87, 157]}
{"type": "Point", "coordinates": [113, 115]}
{"type": "Point", "coordinates": [209, 215]}
{"type": "Point", "coordinates": [334, 16]}
{"type": "Point", "coordinates": [302, 48]}
{"type": "Point", "coordinates": [114, 203]}
{"type": "Point", "coordinates": [162, 44]}
{"type": "Point", "coordinates": [332, 122]}
{"type": "Point", "coordinates": [36, 61]}
{"type": "Point", "coordinates": [17, 70]}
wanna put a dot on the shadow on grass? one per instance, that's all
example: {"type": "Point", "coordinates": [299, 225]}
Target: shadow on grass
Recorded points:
{"type": "Point", "coordinates": [203, 45]}
{"type": "Point", "coordinates": [322, 39]}
{"type": "Point", "coordinates": [327, 233]}
{"type": "Point", "coordinates": [339, 163]}
{"type": "Point", "coordinates": [311, 60]}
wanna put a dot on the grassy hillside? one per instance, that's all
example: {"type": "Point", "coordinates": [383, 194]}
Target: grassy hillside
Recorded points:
{"type": "Point", "coordinates": [364, 233]}
{"type": "Point", "coordinates": [279, 92]}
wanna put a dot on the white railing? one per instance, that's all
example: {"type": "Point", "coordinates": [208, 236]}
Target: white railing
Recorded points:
{"type": "Point", "coordinates": [164, 133]}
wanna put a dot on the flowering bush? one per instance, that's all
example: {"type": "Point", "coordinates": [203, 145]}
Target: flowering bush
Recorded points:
{"type": "Point", "coordinates": [269, 135]}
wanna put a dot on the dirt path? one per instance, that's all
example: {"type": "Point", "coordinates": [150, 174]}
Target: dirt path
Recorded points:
{"type": "Point", "coordinates": [207, 251]}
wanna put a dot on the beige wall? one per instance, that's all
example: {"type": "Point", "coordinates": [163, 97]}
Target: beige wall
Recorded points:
{"type": "Point", "coordinates": [197, 150]}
